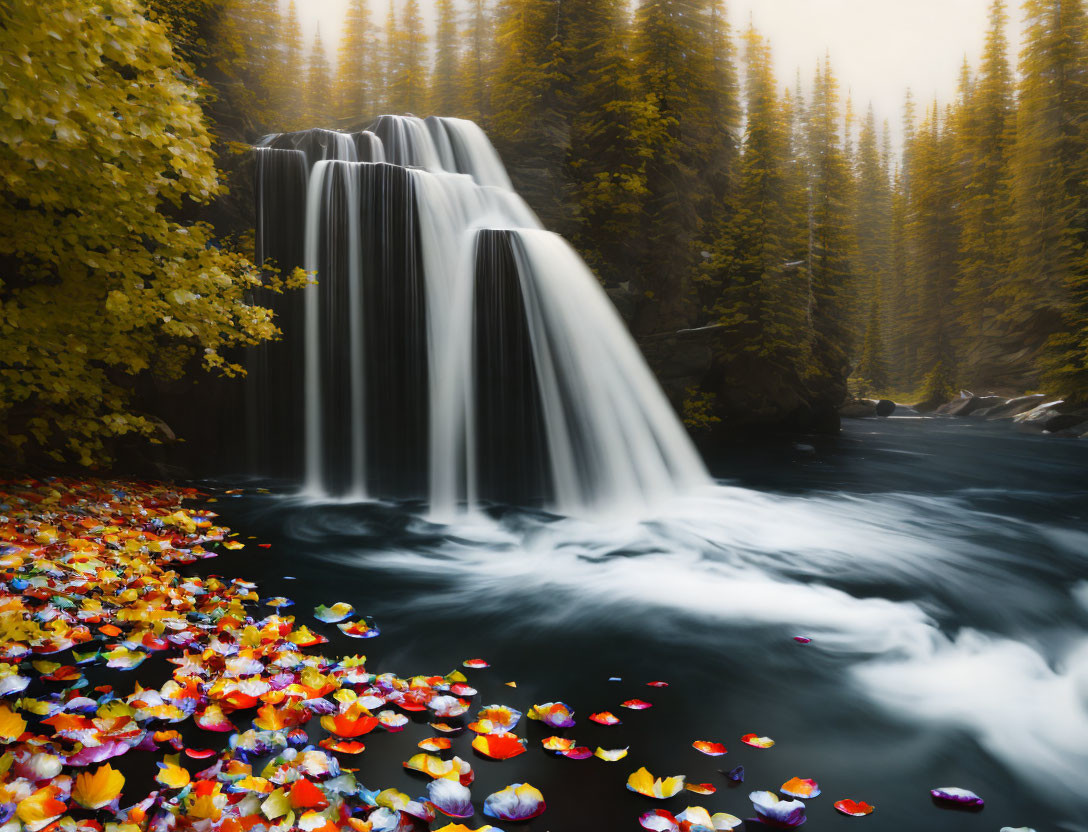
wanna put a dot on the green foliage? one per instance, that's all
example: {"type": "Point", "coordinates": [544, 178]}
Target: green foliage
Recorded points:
{"type": "Point", "coordinates": [871, 375]}
{"type": "Point", "coordinates": [832, 246]}
{"type": "Point", "coordinates": [753, 260]}
{"type": "Point", "coordinates": [697, 409]}
{"type": "Point", "coordinates": [101, 140]}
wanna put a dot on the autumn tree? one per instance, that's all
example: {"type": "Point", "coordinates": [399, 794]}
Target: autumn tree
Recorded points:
{"type": "Point", "coordinates": [752, 259]}
{"type": "Point", "coordinates": [1047, 292]}
{"type": "Point", "coordinates": [932, 233]}
{"type": "Point", "coordinates": [873, 263]}
{"type": "Point", "coordinates": [528, 118]}
{"type": "Point", "coordinates": [444, 96]}
{"type": "Point", "coordinates": [100, 284]}
{"type": "Point", "coordinates": [353, 88]}
{"type": "Point", "coordinates": [683, 57]}
{"type": "Point", "coordinates": [318, 105]}
{"type": "Point", "coordinates": [476, 62]}
{"type": "Point", "coordinates": [832, 239]}
{"type": "Point", "coordinates": [407, 70]}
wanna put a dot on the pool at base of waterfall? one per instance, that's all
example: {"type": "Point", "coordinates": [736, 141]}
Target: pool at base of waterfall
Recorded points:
{"type": "Point", "coordinates": [937, 569]}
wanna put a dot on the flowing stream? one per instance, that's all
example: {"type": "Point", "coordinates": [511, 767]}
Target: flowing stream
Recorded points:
{"type": "Point", "coordinates": [937, 565]}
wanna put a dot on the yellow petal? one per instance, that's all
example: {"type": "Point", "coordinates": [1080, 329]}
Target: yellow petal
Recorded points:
{"type": "Point", "coordinates": [172, 774]}
{"type": "Point", "coordinates": [12, 725]}
{"type": "Point", "coordinates": [93, 791]}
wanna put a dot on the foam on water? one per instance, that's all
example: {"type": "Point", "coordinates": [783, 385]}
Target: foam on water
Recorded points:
{"type": "Point", "coordinates": [747, 559]}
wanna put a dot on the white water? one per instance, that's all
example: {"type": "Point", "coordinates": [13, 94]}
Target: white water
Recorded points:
{"type": "Point", "coordinates": [734, 558]}
{"type": "Point", "coordinates": [313, 484]}
{"type": "Point", "coordinates": [613, 441]}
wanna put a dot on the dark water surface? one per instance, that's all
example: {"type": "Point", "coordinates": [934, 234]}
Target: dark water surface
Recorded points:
{"type": "Point", "coordinates": [940, 567]}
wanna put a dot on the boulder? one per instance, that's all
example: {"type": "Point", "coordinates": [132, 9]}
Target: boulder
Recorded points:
{"type": "Point", "coordinates": [1012, 407]}
{"type": "Point", "coordinates": [1048, 418]}
{"type": "Point", "coordinates": [885, 408]}
{"type": "Point", "coordinates": [859, 409]}
{"type": "Point", "coordinates": [968, 404]}
{"type": "Point", "coordinates": [1077, 431]}
{"type": "Point", "coordinates": [952, 407]}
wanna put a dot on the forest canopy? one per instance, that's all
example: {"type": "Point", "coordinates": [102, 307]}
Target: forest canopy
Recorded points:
{"type": "Point", "coordinates": [703, 190]}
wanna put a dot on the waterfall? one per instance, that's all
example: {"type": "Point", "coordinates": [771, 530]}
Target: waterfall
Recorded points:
{"type": "Point", "coordinates": [452, 349]}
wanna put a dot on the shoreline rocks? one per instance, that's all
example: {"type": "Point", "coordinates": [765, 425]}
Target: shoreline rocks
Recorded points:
{"type": "Point", "coordinates": [1036, 413]}
{"type": "Point", "coordinates": [867, 408]}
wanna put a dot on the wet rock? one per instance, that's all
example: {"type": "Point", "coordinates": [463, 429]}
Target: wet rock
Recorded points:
{"type": "Point", "coordinates": [1049, 418]}
{"type": "Point", "coordinates": [885, 408]}
{"type": "Point", "coordinates": [1012, 407]}
{"type": "Point", "coordinates": [967, 405]}
{"type": "Point", "coordinates": [859, 409]}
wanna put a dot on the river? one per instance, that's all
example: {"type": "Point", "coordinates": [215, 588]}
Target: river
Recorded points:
{"type": "Point", "coordinates": [938, 566]}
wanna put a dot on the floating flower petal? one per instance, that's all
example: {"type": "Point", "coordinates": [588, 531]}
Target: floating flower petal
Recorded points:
{"type": "Point", "coordinates": [604, 718]}
{"type": "Point", "coordinates": [783, 813]}
{"type": "Point", "coordinates": [93, 791]}
{"type": "Point", "coordinates": [451, 798]}
{"type": "Point", "coordinates": [334, 614]}
{"type": "Point", "coordinates": [711, 749]}
{"type": "Point", "coordinates": [434, 744]}
{"type": "Point", "coordinates": [555, 714]}
{"type": "Point", "coordinates": [757, 741]}
{"type": "Point", "coordinates": [853, 808]}
{"type": "Point", "coordinates": [610, 755]}
{"type": "Point", "coordinates": [658, 820]}
{"type": "Point", "coordinates": [957, 796]}
{"type": "Point", "coordinates": [498, 746]}
{"type": "Point", "coordinates": [701, 788]}
{"type": "Point", "coordinates": [637, 704]}
{"type": "Point", "coordinates": [804, 789]}
{"type": "Point", "coordinates": [645, 783]}
{"type": "Point", "coordinates": [557, 744]}
{"type": "Point", "coordinates": [519, 801]}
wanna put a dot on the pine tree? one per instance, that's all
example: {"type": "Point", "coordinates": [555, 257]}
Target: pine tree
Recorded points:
{"type": "Point", "coordinates": [986, 209]}
{"type": "Point", "coordinates": [933, 238]}
{"type": "Point", "coordinates": [871, 372]}
{"type": "Point", "coordinates": [355, 66]}
{"type": "Point", "coordinates": [445, 95]}
{"type": "Point", "coordinates": [407, 78]}
{"type": "Point", "coordinates": [290, 89]}
{"type": "Point", "coordinates": [873, 226]}
{"type": "Point", "coordinates": [1047, 291]}
{"type": "Point", "coordinates": [683, 58]}
{"type": "Point", "coordinates": [899, 306]}
{"type": "Point", "coordinates": [832, 243]}
{"type": "Point", "coordinates": [318, 85]}
{"type": "Point", "coordinates": [759, 301]}
{"type": "Point", "coordinates": [529, 120]}
{"type": "Point", "coordinates": [610, 124]}
{"type": "Point", "coordinates": [474, 78]}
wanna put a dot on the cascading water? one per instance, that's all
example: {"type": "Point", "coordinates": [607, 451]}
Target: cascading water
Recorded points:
{"type": "Point", "coordinates": [452, 348]}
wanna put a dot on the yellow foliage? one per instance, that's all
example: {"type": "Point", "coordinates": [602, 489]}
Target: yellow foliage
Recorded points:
{"type": "Point", "coordinates": [102, 139]}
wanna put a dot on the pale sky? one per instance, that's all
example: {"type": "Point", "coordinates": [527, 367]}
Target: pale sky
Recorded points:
{"type": "Point", "coordinates": [878, 47]}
